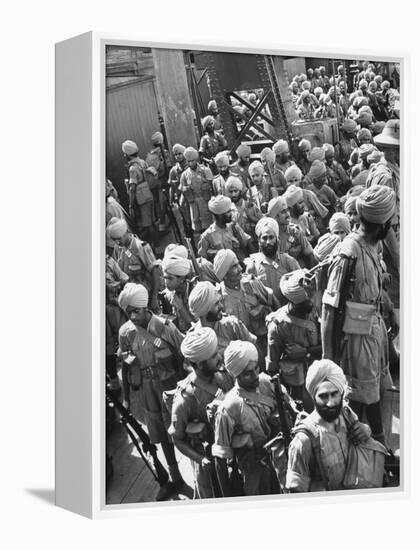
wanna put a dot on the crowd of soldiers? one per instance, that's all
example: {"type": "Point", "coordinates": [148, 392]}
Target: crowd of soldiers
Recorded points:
{"type": "Point", "coordinates": [278, 294]}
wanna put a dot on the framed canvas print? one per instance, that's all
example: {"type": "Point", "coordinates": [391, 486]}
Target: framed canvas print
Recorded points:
{"type": "Point", "coordinates": [229, 225]}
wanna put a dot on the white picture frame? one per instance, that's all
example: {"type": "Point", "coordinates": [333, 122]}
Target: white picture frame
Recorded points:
{"type": "Point", "coordinates": [80, 289]}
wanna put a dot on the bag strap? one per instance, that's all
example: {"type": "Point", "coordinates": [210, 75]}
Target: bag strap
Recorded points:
{"type": "Point", "coordinates": [309, 429]}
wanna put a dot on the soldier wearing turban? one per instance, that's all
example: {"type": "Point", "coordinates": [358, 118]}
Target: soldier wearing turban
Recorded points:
{"type": "Point", "coordinates": [333, 425]}
{"type": "Point", "coordinates": [222, 162]}
{"type": "Point", "coordinates": [206, 305]}
{"type": "Point", "coordinates": [295, 198]}
{"type": "Point", "coordinates": [237, 435]}
{"type": "Point", "coordinates": [318, 184]}
{"type": "Point", "coordinates": [196, 189]}
{"type": "Point", "coordinates": [291, 238]}
{"type": "Point", "coordinates": [140, 197]}
{"type": "Point", "coordinates": [175, 172]}
{"type": "Point", "coordinates": [135, 258]}
{"type": "Point", "coordinates": [338, 179]}
{"type": "Point", "coordinates": [174, 298]}
{"type": "Point", "coordinates": [212, 142]}
{"type": "Point", "coordinates": [293, 333]}
{"type": "Point", "coordinates": [328, 244]}
{"type": "Point", "coordinates": [160, 160]}
{"type": "Point", "coordinates": [223, 232]}
{"type": "Point", "coordinates": [347, 143]}
{"type": "Point", "coordinates": [203, 387]}
{"type": "Point", "coordinates": [147, 346]}
{"type": "Point", "coordinates": [245, 297]}
{"type": "Point", "coordinates": [363, 354]}
{"type": "Point", "coordinates": [304, 149]}
{"type": "Point", "coordinates": [283, 160]}
{"type": "Point", "coordinates": [269, 264]}
{"type": "Point", "coordinates": [240, 167]}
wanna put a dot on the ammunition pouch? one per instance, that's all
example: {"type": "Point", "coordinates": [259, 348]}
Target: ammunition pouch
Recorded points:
{"type": "Point", "coordinates": [359, 318]}
{"type": "Point", "coordinates": [143, 193]}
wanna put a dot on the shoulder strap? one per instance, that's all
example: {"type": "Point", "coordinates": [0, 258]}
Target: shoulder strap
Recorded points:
{"type": "Point", "coordinates": [308, 428]}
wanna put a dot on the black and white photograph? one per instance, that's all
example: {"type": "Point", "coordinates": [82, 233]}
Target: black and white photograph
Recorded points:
{"type": "Point", "coordinates": [252, 274]}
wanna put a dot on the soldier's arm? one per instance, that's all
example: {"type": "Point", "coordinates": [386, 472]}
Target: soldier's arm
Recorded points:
{"type": "Point", "coordinates": [330, 303]}
{"type": "Point", "coordinates": [298, 477]}
{"type": "Point", "coordinates": [275, 348]}
{"type": "Point", "coordinates": [177, 429]}
{"type": "Point", "coordinates": [222, 450]}
{"type": "Point", "coordinates": [327, 331]}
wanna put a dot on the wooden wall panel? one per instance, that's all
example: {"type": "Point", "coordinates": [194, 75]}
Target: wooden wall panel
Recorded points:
{"type": "Point", "coordinates": [131, 113]}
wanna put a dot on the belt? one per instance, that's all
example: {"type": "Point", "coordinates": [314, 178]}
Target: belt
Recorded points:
{"type": "Point", "coordinates": [149, 372]}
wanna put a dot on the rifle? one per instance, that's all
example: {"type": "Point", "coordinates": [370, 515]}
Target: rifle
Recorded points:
{"type": "Point", "coordinates": [190, 247]}
{"type": "Point", "coordinates": [348, 280]}
{"type": "Point", "coordinates": [288, 409]}
{"type": "Point", "coordinates": [277, 447]}
{"type": "Point", "coordinates": [132, 425]}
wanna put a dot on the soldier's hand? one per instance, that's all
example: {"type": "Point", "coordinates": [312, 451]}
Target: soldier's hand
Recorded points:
{"type": "Point", "coordinates": [295, 351]}
{"type": "Point", "coordinates": [359, 433]}
{"type": "Point", "coordinates": [205, 462]}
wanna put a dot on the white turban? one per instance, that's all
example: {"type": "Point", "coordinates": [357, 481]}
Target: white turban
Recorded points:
{"type": "Point", "coordinates": [117, 228]}
{"type": "Point", "coordinates": [291, 287]}
{"type": "Point", "coordinates": [255, 167]}
{"type": "Point", "coordinates": [133, 295]}
{"type": "Point", "coordinates": [157, 138]}
{"type": "Point", "coordinates": [376, 204]}
{"type": "Point", "coordinates": [223, 261]}
{"type": "Point", "coordinates": [339, 222]}
{"type": "Point", "coordinates": [304, 143]}
{"type": "Point", "coordinates": [281, 146]}
{"type": "Point", "coordinates": [325, 246]}
{"type": "Point", "coordinates": [130, 147]}
{"type": "Point", "coordinates": [268, 155]}
{"type": "Point", "coordinates": [233, 182]}
{"type": "Point", "coordinates": [276, 205]}
{"type": "Point", "coordinates": [206, 121]}
{"type": "Point", "coordinates": [317, 153]}
{"type": "Point", "coordinates": [293, 171]}
{"type": "Point", "coordinates": [265, 224]}
{"type": "Point", "coordinates": [223, 155]}
{"type": "Point", "coordinates": [317, 169]}
{"type": "Point", "coordinates": [202, 298]}
{"type": "Point", "coordinates": [199, 344]}
{"type": "Point", "coordinates": [324, 370]}
{"type": "Point", "coordinates": [174, 265]}
{"type": "Point", "coordinates": [243, 150]}
{"type": "Point", "coordinates": [293, 195]}
{"type": "Point", "coordinates": [238, 355]}
{"type": "Point", "coordinates": [175, 249]}
{"type": "Point", "coordinates": [178, 148]}
{"type": "Point", "coordinates": [220, 204]}
{"type": "Point", "coordinates": [191, 154]}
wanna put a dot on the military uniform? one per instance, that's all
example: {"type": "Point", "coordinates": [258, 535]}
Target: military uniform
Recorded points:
{"type": "Point", "coordinates": [227, 329]}
{"type": "Point", "coordinates": [141, 197]}
{"type": "Point", "coordinates": [196, 190]}
{"type": "Point", "coordinates": [216, 238]}
{"type": "Point", "coordinates": [270, 270]}
{"type": "Point", "coordinates": [242, 173]}
{"type": "Point", "coordinates": [294, 242]}
{"type": "Point", "coordinates": [211, 144]}
{"type": "Point", "coordinates": [179, 307]}
{"type": "Point", "coordinates": [242, 428]}
{"type": "Point", "coordinates": [219, 184]}
{"type": "Point", "coordinates": [364, 354]}
{"type": "Point", "coordinates": [307, 223]}
{"type": "Point", "coordinates": [325, 195]}
{"type": "Point", "coordinates": [152, 357]}
{"type": "Point", "coordinates": [137, 260]}
{"type": "Point", "coordinates": [192, 396]}
{"type": "Point", "coordinates": [283, 329]}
